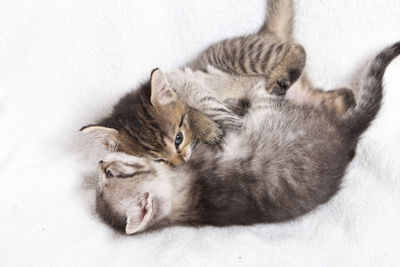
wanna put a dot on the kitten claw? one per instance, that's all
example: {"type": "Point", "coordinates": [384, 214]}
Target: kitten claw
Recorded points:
{"type": "Point", "coordinates": [279, 88]}
{"type": "Point", "coordinates": [284, 84]}
{"type": "Point", "coordinates": [215, 137]}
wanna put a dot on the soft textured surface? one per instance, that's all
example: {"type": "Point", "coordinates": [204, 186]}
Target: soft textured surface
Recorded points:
{"type": "Point", "coordinates": [63, 65]}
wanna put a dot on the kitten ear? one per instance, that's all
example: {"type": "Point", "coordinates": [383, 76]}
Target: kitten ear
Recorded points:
{"type": "Point", "coordinates": [161, 91]}
{"type": "Point", "coordinates": [108, 137]}
{"type": "Point", "coordinates": [139, 214]}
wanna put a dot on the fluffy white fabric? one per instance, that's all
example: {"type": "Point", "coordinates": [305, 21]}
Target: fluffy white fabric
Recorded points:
{"type": "Point", "coordinates": [65, 63]}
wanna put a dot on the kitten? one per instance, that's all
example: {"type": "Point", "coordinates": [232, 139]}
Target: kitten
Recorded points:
{"type": "Point", "coordinates": [142, 125]}
{"type": "Point", "coordinates": [284, 162]}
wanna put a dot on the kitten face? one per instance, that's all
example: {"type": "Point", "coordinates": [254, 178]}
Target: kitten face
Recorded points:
{"type": "Point", "coordinates": [172, 115]}
{"type": "Point", "coordinates": [177, 135]}
{"type": "Point", "coordinates": [157, 128]}
{"type": "Point", "coordinates": [134, 193]}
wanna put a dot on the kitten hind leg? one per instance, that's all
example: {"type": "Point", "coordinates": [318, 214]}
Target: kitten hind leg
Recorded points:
{"type": "Point", "coordinates": [335, 102]}
{"type": "Point", "coordinates": [203, 128]}
{"type": "Point", "coordinates": [287, 70]}
{"type": "Point", "coordinates": [281, 63]}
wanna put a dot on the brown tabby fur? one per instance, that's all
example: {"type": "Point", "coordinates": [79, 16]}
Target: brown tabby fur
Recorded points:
{"type": "Point", "coordinates": [140, 128]}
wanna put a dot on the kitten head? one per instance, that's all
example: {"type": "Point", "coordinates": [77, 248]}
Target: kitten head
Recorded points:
{"type": "Point", "coordinates": [134, 193]}
{"type": "Point", "coordinates": [150, 122]}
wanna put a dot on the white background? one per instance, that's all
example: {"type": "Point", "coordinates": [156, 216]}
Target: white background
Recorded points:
{"type": "Point", "coordinates": [63, 64]}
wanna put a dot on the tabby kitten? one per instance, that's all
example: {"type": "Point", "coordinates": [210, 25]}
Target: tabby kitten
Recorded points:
{"type": "Point", "coordinates": [284, 162]}
{"type": "Point", "coordinates": [143, 126]}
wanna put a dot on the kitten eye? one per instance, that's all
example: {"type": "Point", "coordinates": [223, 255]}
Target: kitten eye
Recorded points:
{"type": "Point", "coordinates": [178, 139]}
{"type": "Point", "coordinates": [161, 160]}
{"type": "Point", "coordinates": [109, 174]}
{"type": "Point", "coordinates": [165, 162]}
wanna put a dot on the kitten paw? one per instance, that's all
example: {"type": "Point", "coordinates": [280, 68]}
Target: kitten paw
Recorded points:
{"type": "Point", "coordinates": [213, 135]}
{"type": "Point", "coordinates": [279, 87]}
{"type": "Point", "coordinates": [288, 71]}
{"type": "Point", "coordinates": [203, 128]}
{"type": "Point", "coordinates": [284, 84]}
{"type": "Point", "coordinates": [340, 101]}
{"type": "Point", "coordinates": [347, 96]}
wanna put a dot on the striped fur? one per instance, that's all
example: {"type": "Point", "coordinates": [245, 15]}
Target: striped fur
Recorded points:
{"type": "Point", "coordinates": [265, 55]}
{"type": "Point", "coordinates": [138, 127]}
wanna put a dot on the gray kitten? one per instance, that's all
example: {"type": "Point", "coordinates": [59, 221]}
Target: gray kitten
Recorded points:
{"type": "Point", "coordinates": [283, 162]}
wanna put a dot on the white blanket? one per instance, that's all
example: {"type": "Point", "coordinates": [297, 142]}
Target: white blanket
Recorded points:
{"type": "Point", "coordinates": [63, 64]}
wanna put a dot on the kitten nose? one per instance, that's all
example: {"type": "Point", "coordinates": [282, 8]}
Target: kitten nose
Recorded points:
{"type": "Point", "coordinates": [101, 162]}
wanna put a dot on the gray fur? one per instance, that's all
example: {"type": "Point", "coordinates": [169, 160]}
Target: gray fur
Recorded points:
{"type": "Point", "coordinates": [283, 162]}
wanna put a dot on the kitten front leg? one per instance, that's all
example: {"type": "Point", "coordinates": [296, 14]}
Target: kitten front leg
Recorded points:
{"type": "Point", "coordinates": [204, 129]}
{"type": "Point", "coordinates": [193, 90]}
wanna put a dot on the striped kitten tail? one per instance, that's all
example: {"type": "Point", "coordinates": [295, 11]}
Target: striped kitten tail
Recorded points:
{"type": "Point", "coordinates": [357, 120]}
{"type": "Point", "coordinates": [279, 19]}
